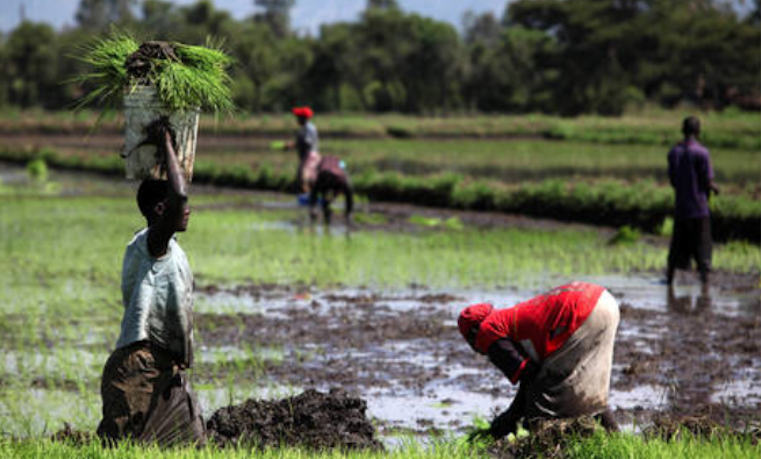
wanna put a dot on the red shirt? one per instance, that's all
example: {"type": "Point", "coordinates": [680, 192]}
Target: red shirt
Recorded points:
{"type": "Point", "coordinates": [542, 324]}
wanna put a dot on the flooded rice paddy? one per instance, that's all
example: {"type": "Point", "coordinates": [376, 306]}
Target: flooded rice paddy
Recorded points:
{"type": "Point", "coordinates": [677, 351]}
{"type": "Point", "coordinates": [402, 351]}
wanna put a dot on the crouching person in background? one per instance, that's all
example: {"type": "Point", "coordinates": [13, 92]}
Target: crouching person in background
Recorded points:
{"type": "Point", "coordinates": [146, 394]}
{"type": "Point", "coordinates": [331, 181]}
{"type": "Point", "coordinates": [558, 346]}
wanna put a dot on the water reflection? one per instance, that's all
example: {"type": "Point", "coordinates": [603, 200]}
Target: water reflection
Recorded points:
{"type": "Point", "coordinates": [687, 303]}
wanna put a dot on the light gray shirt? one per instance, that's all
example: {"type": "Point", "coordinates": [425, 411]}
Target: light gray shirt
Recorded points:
{"type": "Point", "coordinates": [157, 294]}
{"type": "Point", "coordinates": [307, 140]}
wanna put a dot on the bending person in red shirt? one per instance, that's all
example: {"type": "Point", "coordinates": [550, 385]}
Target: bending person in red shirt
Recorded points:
{"type": "Point", "coordinates": [558, 345]}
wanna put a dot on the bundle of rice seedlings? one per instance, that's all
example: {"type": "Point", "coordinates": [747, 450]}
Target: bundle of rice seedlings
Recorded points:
{"type": "Point", "coordinates": [185, 76]}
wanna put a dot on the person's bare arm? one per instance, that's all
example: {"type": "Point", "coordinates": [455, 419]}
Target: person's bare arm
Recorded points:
{"type": "Point", "coordinates": [712, 186]}
{"type": "Point", "coordinates": [507, 422]}
{"type": "Point", "coordinates": [168, 222]}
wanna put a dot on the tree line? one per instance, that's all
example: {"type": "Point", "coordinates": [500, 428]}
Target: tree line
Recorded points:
{"type": "Point", "coordinates": [554, 56]}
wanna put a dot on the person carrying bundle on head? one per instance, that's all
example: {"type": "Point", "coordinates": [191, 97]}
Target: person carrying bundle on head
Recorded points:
{"type": "Point", "coordinates": [145, 391]}
{"type": "Point", "coordinates": [558, 346]}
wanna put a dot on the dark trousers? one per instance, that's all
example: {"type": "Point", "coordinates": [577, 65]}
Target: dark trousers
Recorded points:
{"type": "Point", "coordinates": [147, 398]}
{"type": "Point", "coordinates": [691, 241]}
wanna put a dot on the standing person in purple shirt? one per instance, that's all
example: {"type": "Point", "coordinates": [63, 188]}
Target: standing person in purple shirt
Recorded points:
{"type": "Point", "coordinates": [691, 175]}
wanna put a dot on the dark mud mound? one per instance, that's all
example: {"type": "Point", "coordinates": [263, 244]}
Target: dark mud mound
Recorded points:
{"type": "Point", "coordinates": [312, 419]}
{"type": "Point", "coordinates": [549, 439]}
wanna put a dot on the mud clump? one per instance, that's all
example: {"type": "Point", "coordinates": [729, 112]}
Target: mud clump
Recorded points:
{"type": "Point", "coordinates": [549, 438]}
{"type": "Point", "coordinates": [312, 419]}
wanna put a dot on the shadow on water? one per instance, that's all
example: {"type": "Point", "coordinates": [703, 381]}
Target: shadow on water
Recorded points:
{"type": "Point", "coordinates": [687, 303]}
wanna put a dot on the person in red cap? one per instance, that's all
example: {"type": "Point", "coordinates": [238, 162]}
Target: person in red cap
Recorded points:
{"type": "Point", "coordinates": [307, 145]}
{"type": "Point", "coordinates": [558, 346]}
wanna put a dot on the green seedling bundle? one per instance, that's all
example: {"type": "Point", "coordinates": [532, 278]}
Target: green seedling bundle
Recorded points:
{"type": "Point", "coordinates": [185, 76]}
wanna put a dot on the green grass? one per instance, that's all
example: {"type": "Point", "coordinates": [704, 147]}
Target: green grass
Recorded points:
{"type": "Point", "coordinates": [598, 446]}
{"type": "Point", "coordinates": [61, 259]}
{"type": "Point", "coordinates": [642, 203]}
{"type": "Point", "coordinates": [689, 447]}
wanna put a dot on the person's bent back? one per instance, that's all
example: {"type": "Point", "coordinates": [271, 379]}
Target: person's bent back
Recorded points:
{"type": "Point", "coordinates": [331, 181]}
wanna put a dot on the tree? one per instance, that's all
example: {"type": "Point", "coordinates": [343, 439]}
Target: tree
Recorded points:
{"type": "Point", "coordinates": [382, 4]}
{"type": "Point", "coordinates": [480, 28]}
{"type": "Point", "coordinates": [254, 49]}
{"type": "Point", "coordinates": [31, 58]}
{"type": "Point", "coordinates": [160, 19]}
{"type": "Point", "coordinates": [202, 20]}
{"type": "Point", "coordinates": [276, 14]}
{"type": "Point", "coordinates": [597, 53]}
{"type": "Point", "coordinates": [338, 77]}
{"type": "Point", "coordinates": [98, 14]}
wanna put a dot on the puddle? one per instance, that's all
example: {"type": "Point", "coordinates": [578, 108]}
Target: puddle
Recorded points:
{"type": "Point", "coordinates": [651, 293]}
{"type": "Point", "coordinates": [448, 410]}
{"type": "Point", "coordinates": [39, 412]}
{"type": "Point", "coordinates": [743, 391]}
{"type": "Point", "coordinates": [213, 398]}
{"type": "Point", "coordinates": [71, 364]}
{"type": "Point", "coordinates": [400, 350]}
{"type": "Point", "coordinates": [226, 354]}
{"type": "Point", "coordinates": [640, 397]}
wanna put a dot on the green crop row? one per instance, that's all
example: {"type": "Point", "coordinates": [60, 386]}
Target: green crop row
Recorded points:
{"type": "Point", "coordinates": [642, 204]}
{"type": "Point", "coordinates": [657, 128]}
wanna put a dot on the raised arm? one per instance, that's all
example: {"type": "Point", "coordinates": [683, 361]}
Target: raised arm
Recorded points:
{"type": "Point", "coordinates": [174, 211]}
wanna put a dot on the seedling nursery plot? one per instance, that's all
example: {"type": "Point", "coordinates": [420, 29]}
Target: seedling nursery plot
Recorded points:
{"type": "Point", "coordinates": [360, 325]}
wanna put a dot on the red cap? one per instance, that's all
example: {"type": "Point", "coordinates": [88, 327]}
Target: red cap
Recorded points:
{"type": "Point", "coordinates": [472, 316]}
{"type": "Point", "coordinates": [303, 112]}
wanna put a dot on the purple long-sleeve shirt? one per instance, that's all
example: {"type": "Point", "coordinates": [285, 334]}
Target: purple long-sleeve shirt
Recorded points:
{"type": "Point", "coordinates": [690, 173]}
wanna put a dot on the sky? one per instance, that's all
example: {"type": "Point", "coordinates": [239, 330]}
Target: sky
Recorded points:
{"type": "Point", "coordinates": [306, 16]}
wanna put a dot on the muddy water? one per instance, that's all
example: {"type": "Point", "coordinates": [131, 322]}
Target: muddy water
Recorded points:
{"type": "Point", "coordinates": [685, 352]}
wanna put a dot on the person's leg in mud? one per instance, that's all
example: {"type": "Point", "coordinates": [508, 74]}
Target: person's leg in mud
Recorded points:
{"type": "Point", "coordinates": [681, 248]}
{"type": "Point", "coordinates": [326, 209]}
{"type": "Point", "coordinates": [349, 203]}
{"type": "Point", "coordinates": [703, 252]}
{"type": "Point", "coordinates": [126, 391]}
{"type": "Point", "coordinates": [313, 197]}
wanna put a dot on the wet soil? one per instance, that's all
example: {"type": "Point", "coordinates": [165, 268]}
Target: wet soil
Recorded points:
{"type": "Point", "coordinates": [548, 439]}
{"type": "Point", "coordinates": [683, 360]}
{"type": "Point", "coordinates": [312, 419]}
{"type": "Point", "coordinates": [683, 356]}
